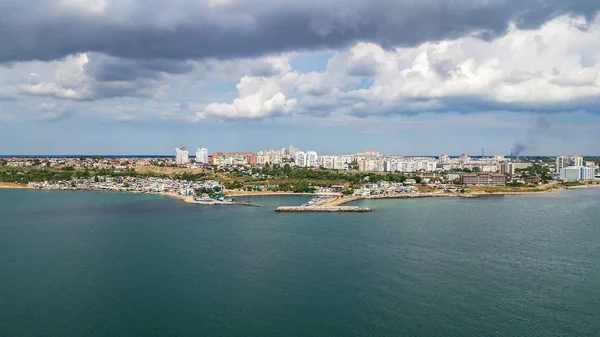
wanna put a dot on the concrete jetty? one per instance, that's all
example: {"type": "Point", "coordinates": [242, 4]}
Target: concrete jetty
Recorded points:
{"type": "Point", "coordinates": [247, 204]}
{"type": "Point", "coordinates": [322, 209]}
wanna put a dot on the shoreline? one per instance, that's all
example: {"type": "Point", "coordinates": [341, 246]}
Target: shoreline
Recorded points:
{"type": "Point", "coordinates": [342, 200]}
{"type": "Point", "coordinates": [13, 186]}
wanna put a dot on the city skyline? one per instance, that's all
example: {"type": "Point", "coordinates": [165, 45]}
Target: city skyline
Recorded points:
{"type": "Point", "coordinates": [400, 77]}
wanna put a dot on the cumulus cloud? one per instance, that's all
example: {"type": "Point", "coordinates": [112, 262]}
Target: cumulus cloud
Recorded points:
{"type": "Point", "coordinates": [67, 82]}
{"type": "Point", "coordinates": [259, 98]}
{"type": "Point", "coordinates": [463, 75]}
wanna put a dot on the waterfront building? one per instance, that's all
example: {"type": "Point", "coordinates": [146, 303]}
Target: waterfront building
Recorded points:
{"type": "Point", "coordinates": [202, 156]}
{"type": "Point", "coordinates": [576, 173]}
{"type": "Point", "coordinates": [182, 156]}
{"type": "Point", "coordinates": [484, 179]}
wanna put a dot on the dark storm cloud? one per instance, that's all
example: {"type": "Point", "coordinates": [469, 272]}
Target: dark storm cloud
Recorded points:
{"type": "Point", "coordinates": [473, 104]}
{"type": "Point", "coordinates": [468, 105]}
{"type": "Point", "coordinates": [186, 29]}
{"type": "Point", "coordinates": [110, 69]}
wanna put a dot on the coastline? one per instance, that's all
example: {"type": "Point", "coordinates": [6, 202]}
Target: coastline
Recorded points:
{"type": "Point", "coordinates": [13, 185]}
{"type": "Point", "coordinates": [341, 200]}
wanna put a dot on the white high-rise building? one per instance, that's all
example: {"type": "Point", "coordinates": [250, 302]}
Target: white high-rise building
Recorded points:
{"type": "Point", "coordinates": [300, 159]}
{"type": "Point", "coordinates": [567, 161]}
{"type": "Point", "coordinates": [311, 159]}
{"type": "Point", "coordinates": [182, 156]}
{"type": "Point", "coordinates": [202, 156]}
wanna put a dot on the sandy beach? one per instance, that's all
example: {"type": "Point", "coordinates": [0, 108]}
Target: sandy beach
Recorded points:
{"type": "Point", "coordinates": [12, 185]}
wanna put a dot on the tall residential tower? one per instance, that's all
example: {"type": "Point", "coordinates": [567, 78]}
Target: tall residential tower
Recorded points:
{"type": "Point", "coordinates": [182, 156]}
{"type": "Point", "coordinates": [202, 156]}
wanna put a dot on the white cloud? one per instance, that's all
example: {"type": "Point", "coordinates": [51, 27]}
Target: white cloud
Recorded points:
{"type": "Point", "coordinates": [84, 6]}
{"type": "Point", "coordinates": [68, 80]}
{"type": "Point", "coordinates": [259, 96]}
{"type": "Point", "coordinates": [524, 68]}
{"type": "Point", "coordinates": [53, 90]}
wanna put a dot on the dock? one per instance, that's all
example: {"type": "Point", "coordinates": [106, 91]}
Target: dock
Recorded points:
{"type": "Point", "coordinates": [305, 209]}
{"type": "Point", "coordinates": [247, 204]}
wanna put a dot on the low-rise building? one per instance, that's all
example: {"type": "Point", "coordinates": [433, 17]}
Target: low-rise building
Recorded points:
{"type": "Point", "coordinates": [484, 179]}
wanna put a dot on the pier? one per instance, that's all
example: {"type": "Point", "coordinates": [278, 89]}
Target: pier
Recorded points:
{"type": "Point", "coordinates": [247, 204]}
{"type": "Point", "coordinates": [304, 209]}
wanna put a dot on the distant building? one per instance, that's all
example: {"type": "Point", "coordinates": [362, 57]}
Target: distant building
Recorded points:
{"type": "Point", "coordinates": [484, 179]}
{"type": "Point", "coordinates": [300, 158]}
{"type": "Point", "coordinates": [532, 180]}
{"type": "Point", "coordinates": [234, 158]}
{"type": "Point", "coordinates": [182, 156]}
{"type": "Point", "coordinates": [574, 173]}
{"type": "Point", "coordinates": [568, 161]}
{"type": "Point", "coordinates": [312, 159]}
{"type": "Point", "coordinates": [453, 176]}
{"type": "Point", "coordinates": [521, 166]}
{"type": "Point", "coordinates": [202, 156]}
{"type": "Point", "coordinates": [371, 165]}
{"type": "Point", "coordinates": [507, 168]}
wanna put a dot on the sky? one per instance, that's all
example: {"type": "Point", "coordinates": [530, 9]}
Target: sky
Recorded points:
{"type": "Point", "coordinates": [405, 77]}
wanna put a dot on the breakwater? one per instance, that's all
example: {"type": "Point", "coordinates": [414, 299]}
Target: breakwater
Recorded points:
{"type": "Point", "coordinates": [322, 209]}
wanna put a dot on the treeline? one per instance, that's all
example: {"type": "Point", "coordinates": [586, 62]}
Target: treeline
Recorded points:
{"type": "Point", "coordinates": [300, 173]}
{"type": "Point", "coordinates": [26, 175]}
{"type": "Point", "coordinates": [299, 187]}
{"type": "Point", "coordinates": [536, 171]}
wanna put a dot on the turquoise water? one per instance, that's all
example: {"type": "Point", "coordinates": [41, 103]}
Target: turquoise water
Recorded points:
{"type": "Point", "coordinates": [108, 264]}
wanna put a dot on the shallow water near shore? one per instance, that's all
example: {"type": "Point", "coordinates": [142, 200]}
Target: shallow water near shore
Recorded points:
{"type": "Point", "coordinates": [75, 263]}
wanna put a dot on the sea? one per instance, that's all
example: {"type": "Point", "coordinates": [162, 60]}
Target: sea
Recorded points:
{"type": "Point", "coordinates": [79, 263]}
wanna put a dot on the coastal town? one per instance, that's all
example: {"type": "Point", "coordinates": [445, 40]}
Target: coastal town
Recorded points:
{"type": "Point", "coordinates": [334, 180]}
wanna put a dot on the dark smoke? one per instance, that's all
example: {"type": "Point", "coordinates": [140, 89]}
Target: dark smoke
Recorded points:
{"type": "Point", "coordinates": [518, 148]}
{"type": "Point", "coordinates": [541, 129]}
